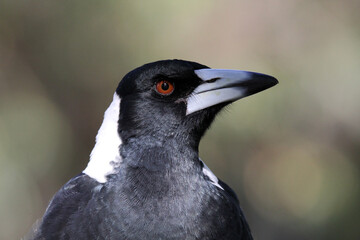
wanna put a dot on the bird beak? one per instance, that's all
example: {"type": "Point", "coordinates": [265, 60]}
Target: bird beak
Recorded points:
{"type": "Point", "coordinates": [221, 86]}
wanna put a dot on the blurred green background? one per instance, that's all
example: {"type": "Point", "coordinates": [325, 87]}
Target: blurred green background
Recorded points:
{"type": "Point", "coordinates": [291, 153]}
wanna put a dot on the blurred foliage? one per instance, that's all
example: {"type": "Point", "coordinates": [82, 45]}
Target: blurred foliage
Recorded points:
{"type": "Point", "coordinates": [291, 153]}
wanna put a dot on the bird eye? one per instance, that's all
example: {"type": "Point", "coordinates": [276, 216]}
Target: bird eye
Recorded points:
{"type": "Point", "coordinates": [164, 87]}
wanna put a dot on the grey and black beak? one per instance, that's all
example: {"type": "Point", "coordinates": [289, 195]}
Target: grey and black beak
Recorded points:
{"type": "Point", "coordinates": [221, 86]}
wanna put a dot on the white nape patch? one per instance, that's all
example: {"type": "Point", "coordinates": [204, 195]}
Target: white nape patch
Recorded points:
{"type": "Point", "coordinates": [106, 152]}
{"type": "Point", "coordinates": [214, 180]}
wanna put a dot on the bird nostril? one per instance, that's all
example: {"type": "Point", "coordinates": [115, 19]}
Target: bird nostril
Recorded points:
{"type": "Point", "coordinates": [212, 80]}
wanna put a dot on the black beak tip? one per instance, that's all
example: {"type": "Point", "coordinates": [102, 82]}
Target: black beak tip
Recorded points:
{"type": "Point", "coordinates": [260, 82]}
{"type": "Point", "coordinates": [273, 81]}
{"type": "Point", "coordinates": [265, 79]}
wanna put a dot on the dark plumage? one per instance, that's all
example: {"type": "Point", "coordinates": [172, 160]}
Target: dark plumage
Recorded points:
{"type": "Point", "coordinates": [145, 179]}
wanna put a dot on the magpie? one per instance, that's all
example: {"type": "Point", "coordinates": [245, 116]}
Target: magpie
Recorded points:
{"type": "Point", "coordinates": [145, 179]}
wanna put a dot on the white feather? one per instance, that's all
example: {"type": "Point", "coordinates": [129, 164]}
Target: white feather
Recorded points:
{"type": "Point", "coordinates": [105, 155]}
{"type": "Point", "coordinates": [213, 179]}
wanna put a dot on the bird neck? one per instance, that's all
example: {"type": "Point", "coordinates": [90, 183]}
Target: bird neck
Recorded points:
{"type": "Point", "coordinates": [156, 170]}
{"type": "Point", "coordinates": [117, 146]}
{"type": "Point", "coordinates": [156, 155]}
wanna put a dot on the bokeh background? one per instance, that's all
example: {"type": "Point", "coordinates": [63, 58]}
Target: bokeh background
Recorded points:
{"type": "Point", "coordinates": [291, 153]}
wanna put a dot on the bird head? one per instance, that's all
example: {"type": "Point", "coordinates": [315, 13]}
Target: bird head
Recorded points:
{"type": "Point", "coordinates": [179, 99]}
{"type": "Point", "coordinates": [165, 105]}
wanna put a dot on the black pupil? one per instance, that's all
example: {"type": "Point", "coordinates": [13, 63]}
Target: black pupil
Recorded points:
{"type": "Point", "coordinates": [165, 86]}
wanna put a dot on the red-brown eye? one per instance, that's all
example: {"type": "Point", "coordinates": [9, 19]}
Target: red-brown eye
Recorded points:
{"type": "Point", "coordinates": [164, 87]}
